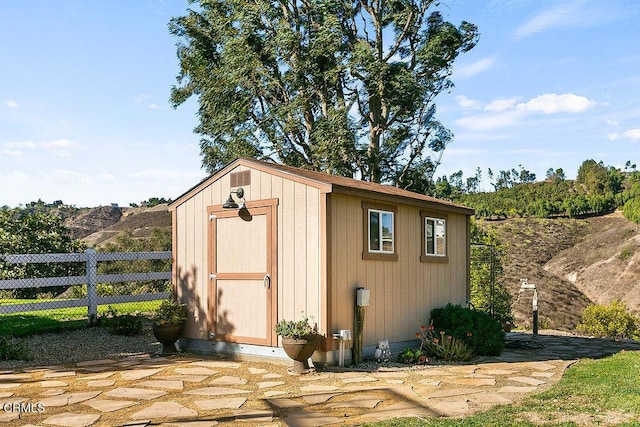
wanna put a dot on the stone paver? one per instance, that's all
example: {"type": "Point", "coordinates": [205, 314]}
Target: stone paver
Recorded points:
{"type": "Point", "coordinates": [215, 404]}
{"type": "Point", "coordinates": [71, 419]}
{"type": "Point", "coordinates": [253, 415]}
{"type": "Point", "coordinates": [66, 399]}
{"type": "Point", "coordinates": [229, 380]}
{"type": "Point", "coordinates": [216, 391]}
{"type": "Point", "coordinates": [138, 374]}
{"type": "Point", "coordinates": [106, 405]}
{"type": "Point", "coordinates": [162, 384]}
{"type": "Point", "coordinates": [164, 410]}
{"type": "Point", "coordinates": [187, 391]}
{"type": "Point", "coordinates": [136, 393]}
{"type": "Point", "coordinates": [196, 371]}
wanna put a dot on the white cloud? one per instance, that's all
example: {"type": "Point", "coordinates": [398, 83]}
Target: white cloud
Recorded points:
{"type": "Point", "coordinates": [633, 133]}
{"type": "Point", "coordinates": [464, 151]}
{"type": "Point", "coordinates": [468, 70]}
{"type": "Point", "coordinates": [613, 136]}
{"type": "Point", "coordinates": [140, 98]}
{"type": "Point", "coordinates": [60, 147]}
{"type": "Point", "coordinates": [12, 153]}
{"type": "Point", "coordinates": [465, 102]}
{"type": "Point", "coordinates": [552, 103]}
{"type": "Point", "coordinates": [20, 144]}
{"type": "Point", "coordinates": [68, 177]}
{"type": "Point", "coordinates": [106, 178]}
{"type": "Point", "coordinates": [486, 122]}
{"type": "Point", "coordinates": [613, 122]}
{"type": "Point", "coordinates": [16, 148]}
{"type": "Point", "coordinates": [501, 104]}
{"type": "Point", "coordinates": [559, 15]}
{"type": "Point", "coordinates": [12, 104]}
{"type": "Point", "coordinates": [504, 113]}
{"type": "Point", "coordinates": [576, 13]}
{"type": "Point", "coordinates": [154, 107]}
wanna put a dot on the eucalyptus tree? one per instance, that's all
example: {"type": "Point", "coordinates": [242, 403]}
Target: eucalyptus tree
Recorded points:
{"type": "Point", "coordinates": [345, 87]}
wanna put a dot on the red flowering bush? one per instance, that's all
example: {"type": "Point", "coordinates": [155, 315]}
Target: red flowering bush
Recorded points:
{"type": "Point", "coordinates": [442, 346]}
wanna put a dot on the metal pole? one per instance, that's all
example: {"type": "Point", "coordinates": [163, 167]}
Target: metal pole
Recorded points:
{"type": "Point", "coordinates": [535, 312]}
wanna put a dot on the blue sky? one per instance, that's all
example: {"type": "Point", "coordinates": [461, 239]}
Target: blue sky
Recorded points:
{"type": "Point", "coordinates": [85, 117]}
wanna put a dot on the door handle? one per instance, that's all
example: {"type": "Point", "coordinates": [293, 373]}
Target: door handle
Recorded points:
{"type": "Point", "coordinates": [266, 282]}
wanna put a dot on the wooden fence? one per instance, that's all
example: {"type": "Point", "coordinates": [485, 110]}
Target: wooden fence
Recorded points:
{"type": "Point", "coordinates": [91, 279]}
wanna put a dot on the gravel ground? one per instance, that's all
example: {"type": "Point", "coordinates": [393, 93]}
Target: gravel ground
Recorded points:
{"type": "Point", "coordinates": [83, 344]}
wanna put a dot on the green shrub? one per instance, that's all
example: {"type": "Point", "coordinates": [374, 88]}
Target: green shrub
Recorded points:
{"type": "Point", "coordinates": [14, 350]}
{"type": "Point", "coordinates": [123, 324]}
{"type": "Point", "coordinates": [609, 321]}
{"type": "Point", "coordinates": [476, 329]}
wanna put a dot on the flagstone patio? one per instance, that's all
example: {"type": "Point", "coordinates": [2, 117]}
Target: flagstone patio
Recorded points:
{"type": "Point", "coordinates": [196, 392]}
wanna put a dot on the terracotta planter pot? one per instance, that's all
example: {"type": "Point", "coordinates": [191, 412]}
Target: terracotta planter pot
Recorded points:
{"type": "Point", "coordinates": [300, 350]}
{"type": "Point", "coordinates": [168, 335]}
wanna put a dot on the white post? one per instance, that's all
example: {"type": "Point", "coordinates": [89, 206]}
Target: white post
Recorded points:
{"type": "Point", "coordinates": [92, 285]}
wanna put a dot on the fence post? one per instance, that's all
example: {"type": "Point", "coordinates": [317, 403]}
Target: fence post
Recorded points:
{"type": "Point", "coordinates": [92, 286]}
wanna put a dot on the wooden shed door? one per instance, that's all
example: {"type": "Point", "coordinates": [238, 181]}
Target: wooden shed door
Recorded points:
{"type": "Point", "coordinates": [241, 278]}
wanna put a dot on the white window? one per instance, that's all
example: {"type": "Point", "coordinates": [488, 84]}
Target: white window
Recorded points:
{"type": "Point", "coordinates": [381, 231]}
{"type": "Point", "coordinates": [435, 239]}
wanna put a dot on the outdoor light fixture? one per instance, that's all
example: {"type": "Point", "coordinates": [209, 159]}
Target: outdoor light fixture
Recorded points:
{"type": "Point", "coordinates": [231, 204]}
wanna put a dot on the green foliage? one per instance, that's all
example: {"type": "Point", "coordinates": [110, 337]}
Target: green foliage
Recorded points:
{"type": "Point", "coordinates": [14, 350]}
{"type": "Point", "coordinates": [34, 232]}
{"type": "Point", "coordinates": [596, 178]}
{"type": "Point", "coordinates": [631, 210]}
{"type": "Point", "coordinates": [476, 328]}
{"type": "Point", "coordinates": [626, 253]}
{"type": "Point", "coordinates": [412, 357]}
{"type": "Point", "coordinates": [609, 321]}
{"type": "Point", "coordinates": [122, 324]}
{"type": "Point", "coordinates": [306, 86]}
{"type": "Point", "coordinates": [442, 346]}
{"type": "Point", "coordinates": [295, 328]}
{"type": "Point", "coordinates": [170, 312]}
{"type": "Point", "coordinates": [488, 291]}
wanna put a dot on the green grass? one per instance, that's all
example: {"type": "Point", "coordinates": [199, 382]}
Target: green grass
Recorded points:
{"type": "Point", "coordinates": [35, 322]}
{"type": "Point", "coordinates": [592, 391]}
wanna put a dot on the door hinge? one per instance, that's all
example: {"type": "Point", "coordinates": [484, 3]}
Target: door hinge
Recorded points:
{"type": "Point", "coordinates": [212, 276]}
{"type": "Point", "coordinates": [212, 217]}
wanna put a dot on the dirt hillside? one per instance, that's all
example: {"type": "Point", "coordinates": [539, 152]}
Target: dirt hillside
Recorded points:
{"type": "Point", "coordinates": [98, 226]}
{"type": "Point", "coordinates": [605, 266]}
{"type": "Point", "coordinates": [573, 262]}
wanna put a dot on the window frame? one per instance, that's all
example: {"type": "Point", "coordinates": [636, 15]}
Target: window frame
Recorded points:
{"type": "Point", "coordinates": [380, 255]}
{"type": "Point", "coordinates": [435, 216]}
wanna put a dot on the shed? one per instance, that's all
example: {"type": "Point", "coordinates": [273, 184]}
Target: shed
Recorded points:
{"type": "Point", "coordinates": [299, 243]}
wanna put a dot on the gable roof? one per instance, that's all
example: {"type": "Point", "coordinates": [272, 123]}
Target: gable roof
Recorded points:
{"type": "Point", "coordinates": [330, 184]}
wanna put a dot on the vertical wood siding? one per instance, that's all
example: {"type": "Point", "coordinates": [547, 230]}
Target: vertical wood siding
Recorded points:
{"type": "Point", "coordinates": [298, 216]}
{"type": "Point", "coordinates": [403, 292]}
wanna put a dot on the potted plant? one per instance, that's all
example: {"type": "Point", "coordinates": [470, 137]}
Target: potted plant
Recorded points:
{"type": "Point", "coordinates": [168, 323]}
{"type": "Point", "coordinates": [299, 340]}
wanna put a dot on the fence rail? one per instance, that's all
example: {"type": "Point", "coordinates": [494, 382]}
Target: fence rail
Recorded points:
{"type": "Point", "coordinates": [90, 257]}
